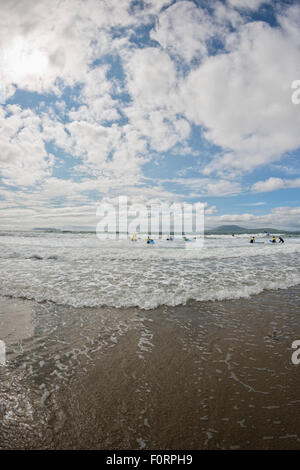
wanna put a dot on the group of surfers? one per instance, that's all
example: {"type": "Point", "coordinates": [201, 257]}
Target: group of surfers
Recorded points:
{"type": "Point", "coordinates": [150, 241]}
{"type": "Point", "coordinates": [273, 240]}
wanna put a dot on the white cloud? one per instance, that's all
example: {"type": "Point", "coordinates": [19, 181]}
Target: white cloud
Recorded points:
{"type": "Point", "coordinates": [209, 210]}
{"type": "Point", "coordinates": [186, 30]}
{"type": "Point", "coordinates": [200, 187]}
{"type": "Point", "coordinates": [23, 156]}
{"type": "Point", "coordinates": [254, 204]}
{"type": "Point", "coordinates": [97, 103]}
{"type": "Point", "coordinates": [183, 29]}
{"type": "Point", "coordinates": [151, 77]}
{"type": "Point", "coordinates": [50, 39]}
{"type": "Point", "coordinates": [83, 214]}
{"type": "Point", "coordinates": [242, 97]}
{"type": "Point", "coordinates": [247, 4]}
{"type": "Point", "coordinates": [273, 184]}
{"type": "Point", "coordinates": [152, 83]}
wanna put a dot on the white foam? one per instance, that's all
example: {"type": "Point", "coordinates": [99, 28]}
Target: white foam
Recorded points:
{"type": "Point", "coordinates": [80, 270]}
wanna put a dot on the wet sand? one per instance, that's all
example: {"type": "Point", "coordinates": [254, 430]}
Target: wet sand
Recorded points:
{"type": "Point", "coordinates": [213, 375]}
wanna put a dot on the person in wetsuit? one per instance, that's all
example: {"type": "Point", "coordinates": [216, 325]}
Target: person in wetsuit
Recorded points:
{"type": "Point", "coordinates": [252, 240]}
{"type": "Point", "coordinates": [281, 240]}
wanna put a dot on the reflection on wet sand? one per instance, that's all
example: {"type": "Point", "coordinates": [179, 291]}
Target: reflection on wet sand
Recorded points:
{"type": "Point", "coordinates": [214, 375]}
{"type": "Point", "coordinates": [16, 323]}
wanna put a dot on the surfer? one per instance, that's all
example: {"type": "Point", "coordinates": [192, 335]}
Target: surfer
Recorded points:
{"type": "Point", "coordinates": [252, 240]}
{"type": "Point", "coordinates": [281, 240]}
{"type": "Point", "coordinates": [274, 239]}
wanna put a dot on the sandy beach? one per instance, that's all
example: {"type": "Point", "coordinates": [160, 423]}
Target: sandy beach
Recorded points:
{"type": "Point", "coordinates": [207, 375]}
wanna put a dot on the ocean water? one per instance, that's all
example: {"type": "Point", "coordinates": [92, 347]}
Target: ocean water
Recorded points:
{"type": "Point", "coordinates": [207, 375]}
{"type": "Point", "coordinates": [82, 374]}
{"type": "Point", "coordinates": [81, 270]}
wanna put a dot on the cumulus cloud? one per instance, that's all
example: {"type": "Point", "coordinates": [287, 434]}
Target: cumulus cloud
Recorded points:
{"type": "Point", "coordinates": [242, 98]}
{"type": "Point", "coordinates": [24, 158]}
{"type": "Point", "coordinates": [153, 86]}
{"type": "Point", "coordinates": [247, 4]}
{"type": "Point", "coordinates": [51, 39]}
{"type": "Point", "coordinates": [184, 30]}
{"type": "Point", "coordinates": [200, 187]}
{"type": "Point", "coordinates": [151, 77]}
{"type": "Point", "coordinates": [273, 184]}
{"type": "Point", "coordinates": [209, 83]}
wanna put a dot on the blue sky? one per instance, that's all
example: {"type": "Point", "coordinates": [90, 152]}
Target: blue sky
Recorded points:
{"type": "Point", "coordinates": [172, 101]}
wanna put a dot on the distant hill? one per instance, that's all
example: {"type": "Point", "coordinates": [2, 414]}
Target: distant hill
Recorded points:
{"type": "Point", "coordinates": [229, 229]}
{"type": "Point", "coordinates": [225, 229]}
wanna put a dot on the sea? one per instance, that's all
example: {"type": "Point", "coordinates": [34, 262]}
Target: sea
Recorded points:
{"type": "Point", "coordinates": [85, 270]}
{"type": "Point", "coordinates": [116, 344]}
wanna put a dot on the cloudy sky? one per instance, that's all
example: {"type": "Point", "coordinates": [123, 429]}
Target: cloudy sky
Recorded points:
{"type": "Point", "coordinates": [157, 100]}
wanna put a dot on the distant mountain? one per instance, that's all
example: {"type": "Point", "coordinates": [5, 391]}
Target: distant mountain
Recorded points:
{"type": "Point", "coordinates": [229, 229]}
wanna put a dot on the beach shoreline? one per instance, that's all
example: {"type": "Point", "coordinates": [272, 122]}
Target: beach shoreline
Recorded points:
{"type": "Point", "coordinates": [211, 375]}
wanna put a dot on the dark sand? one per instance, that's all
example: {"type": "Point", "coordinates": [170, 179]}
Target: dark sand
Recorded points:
{"type": "Point", "coordinates": [215, 375]}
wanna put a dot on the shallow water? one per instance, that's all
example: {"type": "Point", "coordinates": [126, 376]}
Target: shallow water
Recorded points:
{"type": "Point", "coordinates": [208, 375]}
{"type": "Point", "coordinates": [82, 271]}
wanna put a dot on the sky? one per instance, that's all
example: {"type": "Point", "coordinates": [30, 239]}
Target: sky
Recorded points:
{"type": "Point", "coordinates": [157, 100]}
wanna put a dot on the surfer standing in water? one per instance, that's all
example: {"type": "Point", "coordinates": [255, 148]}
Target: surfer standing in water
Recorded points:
{"type": "Point", "coordinates": [281, 240]}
